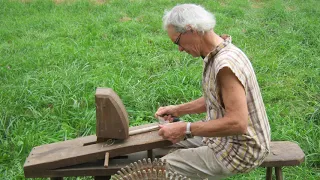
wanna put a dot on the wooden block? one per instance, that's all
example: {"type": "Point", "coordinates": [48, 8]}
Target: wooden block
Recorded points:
{"type": "Point", "coordinates": [284, 153]}
{"type": "Point", "coordinates": [106, 160]}
{"type": "Point", "coordinates": [112, 117]}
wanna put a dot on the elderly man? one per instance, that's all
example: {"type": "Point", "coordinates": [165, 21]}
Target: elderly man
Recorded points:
{"type": "Point", "coordinates": [235, 136]}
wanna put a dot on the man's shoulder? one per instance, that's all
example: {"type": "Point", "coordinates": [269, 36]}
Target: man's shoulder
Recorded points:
{"type": "Point", "coordinates": [230, 50]}
{"type": "Point", "coordinates": [231, 54]}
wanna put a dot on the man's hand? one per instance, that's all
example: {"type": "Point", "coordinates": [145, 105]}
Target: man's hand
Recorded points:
{"type": "Point", "coordinates": [174, 132]}
{"type": "Point", "coordinates": [167, 112]}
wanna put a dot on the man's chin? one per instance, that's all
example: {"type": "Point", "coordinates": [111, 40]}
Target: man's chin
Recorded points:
{"type": "Point", "coordinates": [195, 55]}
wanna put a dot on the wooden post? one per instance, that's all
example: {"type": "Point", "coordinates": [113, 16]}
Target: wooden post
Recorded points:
{"type": "Point", "coordinates": [106, 160]}
{"type": "Point", "coordinates": [279, 175]}
{"type": "Point", "coordinates": [269, 173]}
{"type": "Point", "coordinates": [150, 154]}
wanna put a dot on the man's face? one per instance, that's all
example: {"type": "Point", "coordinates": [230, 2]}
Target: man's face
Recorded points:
{"type": "Point", "coordinates": [188, 41]}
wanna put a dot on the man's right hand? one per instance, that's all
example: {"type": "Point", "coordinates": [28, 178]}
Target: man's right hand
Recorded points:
{"type": "Point", "coordinates": [167, 112]}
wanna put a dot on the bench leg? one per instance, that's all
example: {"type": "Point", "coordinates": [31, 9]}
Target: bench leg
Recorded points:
{"type": "Point", "coordinates": [150, 154]}
{"type": "Point", "coordinates": [269, 173]}
{"type": "Point", "coordinates": [279, 175]}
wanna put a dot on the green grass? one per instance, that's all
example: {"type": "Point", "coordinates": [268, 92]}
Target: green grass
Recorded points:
{"type": "Point", "coordinates": [54, 55]}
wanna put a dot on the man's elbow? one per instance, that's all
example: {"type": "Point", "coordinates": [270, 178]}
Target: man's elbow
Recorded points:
{"type": "Point", "coordinates": [243, 126]}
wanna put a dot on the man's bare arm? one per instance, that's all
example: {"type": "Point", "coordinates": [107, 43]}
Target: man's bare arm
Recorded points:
{"type": "Point", "coordinates": [193, 107]}
{"type": "Point", "coordinates": [235, 120]}
{"type": "Point", "coordinates": [196, 106]}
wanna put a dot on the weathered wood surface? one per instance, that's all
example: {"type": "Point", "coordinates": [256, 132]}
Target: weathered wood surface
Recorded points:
{"type": "Point", "coordinates": [279, 175]}
{"type": "Point", "coordinates": [78, 142]}
{"type": "Point", "coordinates": [112, 117]}
{"type": "Point", "coordinates": [284, 153]}
{"type": "Point", "coordinates": [95, 168]}
{"type": "Point", "coordinates": [144, 130]}
{"type": "Point", "coordinates": [61, 155]}
{"type": "Point", "coordinates": [106, 160]}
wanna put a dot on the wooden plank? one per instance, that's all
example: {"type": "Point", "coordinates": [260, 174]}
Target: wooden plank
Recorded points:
{"type": "Point", "coordinates": [78, 155]}
{"type": "Point", "coordinates": [78, 142]}
{"type": "Point", "coordinates": [106, 160]}
{"type": "Point", "coordinates": [284, 153]}
{"type": "Point", "coordinates": [95, 168]}
{"type": "Point", "coordinates": [112, 117]}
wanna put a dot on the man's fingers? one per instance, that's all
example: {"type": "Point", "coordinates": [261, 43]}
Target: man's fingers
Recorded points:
{"type": "Point", "coordinates": [161, 131]}
{"type": "Point", "coordinates": [160, 112]}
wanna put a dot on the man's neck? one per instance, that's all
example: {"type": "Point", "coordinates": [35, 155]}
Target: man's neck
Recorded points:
{"type": "Point", "coordinates": [209, 42]}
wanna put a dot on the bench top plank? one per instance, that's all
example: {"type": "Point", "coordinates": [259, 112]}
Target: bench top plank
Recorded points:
{"type": "Point", "coordinates": [284, 153]}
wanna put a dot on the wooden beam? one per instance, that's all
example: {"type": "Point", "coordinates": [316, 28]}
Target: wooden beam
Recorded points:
{"type": "Point", "coordinates": [62, 157]}
{"type": "Point", "coordinates": [95, 168]}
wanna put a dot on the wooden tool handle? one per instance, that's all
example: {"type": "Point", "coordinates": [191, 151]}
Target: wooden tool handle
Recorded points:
{"type": "Point", "coordinates": [143, 130]}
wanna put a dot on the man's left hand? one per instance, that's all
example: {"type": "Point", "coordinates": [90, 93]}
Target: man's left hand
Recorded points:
{"type": "Point", "coordinates": [174, 132]}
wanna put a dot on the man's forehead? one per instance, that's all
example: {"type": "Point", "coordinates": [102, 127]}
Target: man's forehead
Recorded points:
{"type": "Point", "coordinates": [171, 30]}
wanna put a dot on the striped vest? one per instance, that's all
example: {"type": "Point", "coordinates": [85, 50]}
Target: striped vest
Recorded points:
{"type": "Point", "coordinates": [239, 153]}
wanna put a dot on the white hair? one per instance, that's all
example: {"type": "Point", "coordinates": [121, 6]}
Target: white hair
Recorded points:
{"type": "Point", "coordinates": [184, 15]}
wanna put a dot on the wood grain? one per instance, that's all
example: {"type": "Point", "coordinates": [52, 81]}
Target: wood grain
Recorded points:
{"type": "Point", "coordinates": [112, 117]}
{"type": "Point", "coordinates": [284, 153]}
{"type": "Point", "coordinates": [106, 160]}
{"type": "Point", "coordinates": [61, 156]}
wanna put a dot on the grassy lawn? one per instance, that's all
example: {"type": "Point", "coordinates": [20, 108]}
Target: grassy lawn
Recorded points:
{"type": "Point", "coordinates": [53, 55]}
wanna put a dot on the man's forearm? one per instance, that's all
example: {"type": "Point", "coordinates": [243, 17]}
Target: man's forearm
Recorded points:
{"type": "Point", "coordinates": [196, 106]}
{"type": "Point", "coordinates": [220, 127]}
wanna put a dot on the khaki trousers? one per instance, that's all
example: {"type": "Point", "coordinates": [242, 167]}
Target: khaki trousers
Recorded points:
{"type": "Point", "coordinates": [197, 161]}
